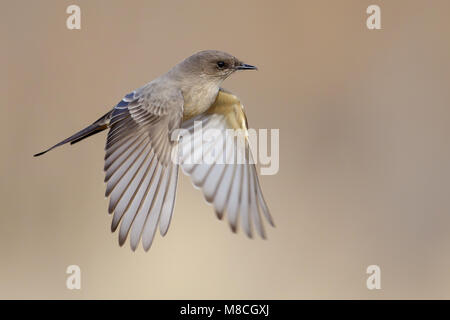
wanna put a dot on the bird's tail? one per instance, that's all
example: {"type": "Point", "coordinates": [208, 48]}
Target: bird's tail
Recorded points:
{"type": "Point", "coordinates": [98, 126]}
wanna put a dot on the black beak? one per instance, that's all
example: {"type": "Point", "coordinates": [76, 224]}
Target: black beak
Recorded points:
{"type": "Point", "coordinates": [244, 66]}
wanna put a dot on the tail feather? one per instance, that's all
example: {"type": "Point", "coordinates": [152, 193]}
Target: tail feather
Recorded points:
{"type": "Point", "coordinates": [98, 126]}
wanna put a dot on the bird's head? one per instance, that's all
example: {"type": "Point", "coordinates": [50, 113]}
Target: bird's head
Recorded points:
{"type": "Point", "coordinates": [214, 64]}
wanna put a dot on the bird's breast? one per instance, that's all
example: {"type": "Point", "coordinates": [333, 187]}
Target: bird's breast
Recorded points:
{"type": "Point", "coordinates": [198, 99]}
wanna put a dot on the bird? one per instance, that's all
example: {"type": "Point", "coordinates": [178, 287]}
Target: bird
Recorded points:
{"type": "Point", "coordinates": [140, 172]}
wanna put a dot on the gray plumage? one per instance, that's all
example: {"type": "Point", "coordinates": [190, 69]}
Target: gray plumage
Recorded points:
{"type": "Point", "coordinates": [141, 177]}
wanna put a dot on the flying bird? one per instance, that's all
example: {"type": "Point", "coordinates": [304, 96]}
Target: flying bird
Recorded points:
{"type": "Point", "coordinates": [140, 172]}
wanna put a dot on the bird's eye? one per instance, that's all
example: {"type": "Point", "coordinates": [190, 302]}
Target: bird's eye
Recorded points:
{"type": "Point", "coordinates": [221, 64]}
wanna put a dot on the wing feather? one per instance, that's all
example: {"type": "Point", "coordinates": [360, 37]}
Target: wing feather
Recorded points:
{"type": "Point", "coordinates": [141, 178]}
{"type": "Point", "coordinates": [131, 190]}
{"type": "Point", "coordinates": [169, 202]}
{"type": "Point", "coordinates": [230, 181]}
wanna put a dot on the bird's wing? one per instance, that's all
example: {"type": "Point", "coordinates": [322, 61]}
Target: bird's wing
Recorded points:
{"type": "Point", "coordinates": [140, 174]}
{"type": "Point", "coordinates": [223, 167]}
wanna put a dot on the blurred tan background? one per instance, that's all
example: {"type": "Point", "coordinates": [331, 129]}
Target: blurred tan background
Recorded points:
{"type": "Point", "coordinates": [365, 149]}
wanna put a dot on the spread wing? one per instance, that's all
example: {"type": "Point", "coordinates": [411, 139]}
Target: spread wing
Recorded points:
{"type": "Point", "coordinates": [141, 178]}
{"type": "Point", "coordinates": [222, 166]}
